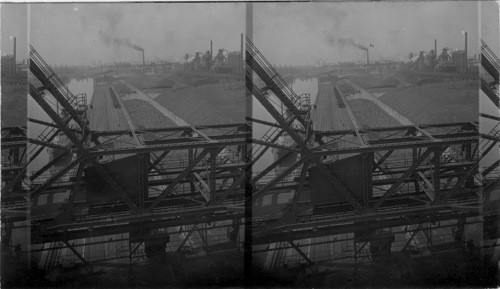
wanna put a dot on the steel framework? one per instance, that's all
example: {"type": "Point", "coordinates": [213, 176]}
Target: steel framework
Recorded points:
{"type": "Point", "coordinates": [192, 179]}
{"type": "Point", "coordinates": [188, 176]}
{"type": "Point", "coordinates": [424, 173]}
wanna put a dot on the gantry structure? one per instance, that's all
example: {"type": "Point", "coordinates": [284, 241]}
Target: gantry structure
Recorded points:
{"type": "Point", "coordinates": [130, 185]}
{"type": "Point", "coordinates": [143, 186]}
{"type": "Point", "coordinates": [365, 183]}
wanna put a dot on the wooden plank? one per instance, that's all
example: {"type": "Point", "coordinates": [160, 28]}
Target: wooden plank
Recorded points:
{"type": "Point", "coordinates": [328, 116]}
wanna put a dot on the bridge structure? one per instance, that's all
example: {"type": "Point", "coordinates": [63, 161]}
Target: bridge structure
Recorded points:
{"type": "Point", "coordinates": [371, 188]}
{"type": "Point", "coordinates": [122, 185]}
{"type": "Point", "coordinates": [146, 188]}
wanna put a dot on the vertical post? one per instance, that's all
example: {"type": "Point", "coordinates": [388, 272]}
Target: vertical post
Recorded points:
{"type": "Point", "coordinates": [435, 51]}
{"type": "Point", "coordinates": [435, 175]}
{"type": "Point", "coordinates": [248, 169]}
{"type": "Point", "coordinates": [242, 53]}
{"type": "Point", "coordinates": [191, 177]}
{"type": "Point", "coordinates": [213, 165]}
{"type": "Point", "coordinates": [465, 56]}
{"type": "Point", "coordinates": [143, 178]}
{"type": "Point", "coordinates": [468, 156]}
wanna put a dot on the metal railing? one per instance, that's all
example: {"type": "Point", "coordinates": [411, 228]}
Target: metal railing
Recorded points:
{"type": "Point", "coordinates": [490, 55]}
{"type": "Point", "coordinates": [272, 74]}
{"type": "Point", "coordinates": [52, 77]}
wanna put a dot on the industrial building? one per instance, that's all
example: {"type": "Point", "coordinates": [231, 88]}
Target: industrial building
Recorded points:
{"type": "Point", "coordinates": [383, 177]}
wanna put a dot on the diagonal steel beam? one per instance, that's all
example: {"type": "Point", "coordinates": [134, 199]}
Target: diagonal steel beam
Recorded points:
{"type": "Point", "coordinates": [231, 188]}
{"type": "Point", "coordinates": [446, 196]}
{"type": "Point", "coordinates": [158, 160]}
{"type": "Point", "coordinates": [402, 178]}
{"type": "Point", "coordinates": [38, 72]}
{"type": "Point", "coordinates": [255, 65]}
{"type": "Point", "coordinates": [491, 168]}
{"type": "Point", "coordinates": [55, 117]}
{"type": "Point", "coordinates": [187, 237]}
{"type": "Point", "coordinates": [114, 186]}
{"type": "Point", "coordinates": [46, 167]}
{"type": "Point", "coordinates": [338, 185]}
{"type": "Point", "coordinates": [16, 179]}
{"type": "Point", "coordinates": [302, 254]}
{"type": "Point", "coordinates": [303, 146]}
{"type": "Point", "coordinates": [280, 177]}
{"type": "Point", "coordinates": [181, 176]}
{"type": "Point", "coordinates": [302, 179]}
{"type": "Point", "coordinates": [40, 149]}
{"type": "Point", "coordinates": [85, 154]}
{"type": "Point", "coordinates": [382, 160]}
{"type": "Point", "coordinates": [41, 122]}
{"type": "Point", "coordinates": [408, 242]}
{"type": "Point", "coordinates": [55, 177]}
{"type": "Point", "coordinates": [264, 150]}
{"type": "Point", "coordinates": [274, 113]}
{"type": "Point", "coordinates": [270, 167]}
{"type": "Point", "coordinates": [77, 254]}
{"type": "Point", "coordinates": [47, 144]}
{"type": "Point", "coordinates": [428, 188]}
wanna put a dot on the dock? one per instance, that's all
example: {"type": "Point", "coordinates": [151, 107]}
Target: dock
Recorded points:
{"type": "Point", "coordinates": [108, 113]}
{"type": "Point", "coordinates": [106, 116]}
{"type": "Point", "coordinates": [330, 113]}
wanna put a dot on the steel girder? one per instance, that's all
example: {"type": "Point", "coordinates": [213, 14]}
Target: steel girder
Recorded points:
{"type": "Point", "coordinates": [305, 151]}
{"type": "Point", "coordinates": [110, 224]}
{"type": "Point", "coordinates": [415, 138]}
{"type": "Point", "coordinates": [166, 141]}
{"type": "Point", "coordinates": [352, 223]}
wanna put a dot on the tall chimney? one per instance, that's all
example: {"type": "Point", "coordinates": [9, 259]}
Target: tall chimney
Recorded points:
{"type": "Point", "coordinates": [14, 69]}
{"type": "Point", "coordinates": [435, 50]}
{"type": "Point", "coordinates": [241, 52]}
{"type": "Point", "coordinates": [367, 57]}
{"type": "Point", "coordinates": [465, 56]}
{"type": "Point", "coordinates": [211, 49]}
{"type": "Point", "coordinates": [143, 59]}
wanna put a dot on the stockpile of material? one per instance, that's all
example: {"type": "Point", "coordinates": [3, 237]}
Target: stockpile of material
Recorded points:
{"type": "Point", "coordinates": [346, 88]}
{"type": "Point", "coordinates": [114, 98]}
{"type": "Point", "coordinates": [121, 88]}
{"type": "Point", "coordinates": [374, 81]}
{"type": "Point", "coordinates": [436, 102]}
{"type": "Point", "coordinates": [192, 79]}
{"type": "Point", "coordinates": [144, 115]}
{"type": "Point", "coordinates": [370, 115]}
{"type": "Point", "coordinates": [149, 82]}
{"type": "Point", "coordinates": [207, 104]}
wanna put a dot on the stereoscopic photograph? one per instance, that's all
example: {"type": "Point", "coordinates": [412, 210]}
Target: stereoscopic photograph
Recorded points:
{"type": "Point", "coordinates": [250, 144]}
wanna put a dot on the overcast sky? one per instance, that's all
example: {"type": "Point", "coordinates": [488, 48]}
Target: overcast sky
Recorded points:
{"type": "Point", "coordinates": [13, 22]}
{"type": "Point", "coordinates": [300, 32]}
{"type": "Point", "coordinates": [80, 33]}
{"type": "Point", "coordinates": [297, 33]}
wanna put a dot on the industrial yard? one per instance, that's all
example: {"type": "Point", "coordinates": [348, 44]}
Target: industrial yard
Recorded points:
{"type": "Point", "coordinates": [229, 160]}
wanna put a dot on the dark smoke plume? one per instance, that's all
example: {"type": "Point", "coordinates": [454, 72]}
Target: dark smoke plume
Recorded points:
{"type": "Point", "coordinates": [118, 42]}
{"type": "Point", "coordinates": [341, 42]}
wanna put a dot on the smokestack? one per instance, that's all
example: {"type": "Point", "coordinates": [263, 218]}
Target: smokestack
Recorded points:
{"type": "Point", "coordinates": [241, 51]}
{"type": "Point", "coordinates": [367, 58]}
{"type": "Point", "coordinates": [211, 49]}
{"type": "Point", "coordinates": [14, 53]}
{"type": "Point", "coordinates": [465, 56]}
{"type": "Point", "coordinates": [143, 59]}
{"type": "Point", "coordinates": [435, 50]}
